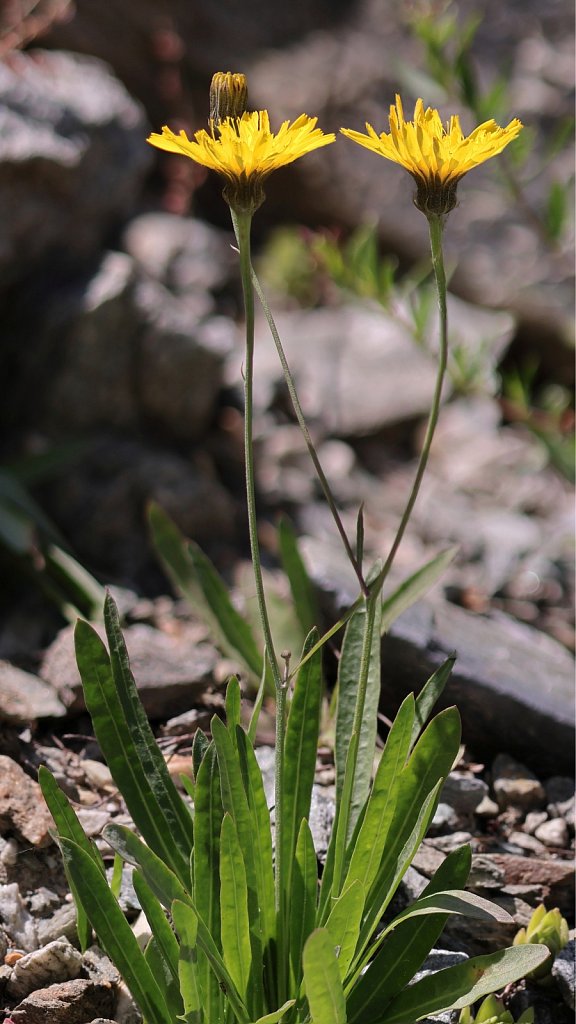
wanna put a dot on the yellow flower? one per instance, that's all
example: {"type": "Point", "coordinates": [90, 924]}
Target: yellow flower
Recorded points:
{"type": "Point", "coordinates": [245, 151]}
{"type": "Point", "coordinates": [436, 156]}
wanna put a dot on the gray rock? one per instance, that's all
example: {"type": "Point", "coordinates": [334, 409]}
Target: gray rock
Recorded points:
{"type": "Point", "coordinates": [24, 698]}
{"type": "Point", "coordinates": [533, 819]}
{"type": "Point", "coordinates": [515, 785]}
{"type": "Point", "coordinates": [445, 819]}
{"type": "Point", "coordinates": [463, 791]}
{"type": "Point", "coordinates": [563, 972]}
{"type": "Point", "coordinates": [17, 923]}
{"type": "Point", "coordinates": [62, 922]}
{"type": "Point", "coordinates": [184, 254]}
{"type": "Point", "coordinates": [56, 962]}
{"type": "Point", "coordinates": [511, 684]}
{"type": "Point", "coordinates": [72, 161]}
{"type": "Point", "coordinates": [168, 669]}
{"type": "Point", "coordinates": [333, 353]}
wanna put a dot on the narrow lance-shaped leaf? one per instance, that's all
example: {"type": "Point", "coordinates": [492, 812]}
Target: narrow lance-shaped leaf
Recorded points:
{"type": "Point", "coordinates": [301, 745]}
{"type": "Point", "coordinates": [324, 990]}
{"type": "Point", "coordinates": [195, 576]}
{"type": "Point", "coordinates": [303, 895]}
{"type": "Point", "coordinates": [456, 987]}
{"type": "Point", "coordinates": [186, 926]}
{"type": "Point", "coordinates": [114, 933]}
{"type": "Point", "coordinates": [68, 825]}
{"type": "Point", "coordinates": [234, 923]}
{"type": "Point", "coordinates": [300, 584]}
{"type": "Point", "coordinates": [412, 589]}
{"type": "Point", "coordinates": [206, 866]}
{"type": "Point", "coordinates": [348, 676]}
{"type": "Point", "coordinates": [165, 885]}
{"type": "Point", "coordinates": [405, 949]}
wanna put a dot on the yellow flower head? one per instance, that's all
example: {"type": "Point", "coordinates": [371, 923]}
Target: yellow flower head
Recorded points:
{"type": "Point", "coordinates": [245, 151]}
{"type": "Point", "coordinates": [436, 156]}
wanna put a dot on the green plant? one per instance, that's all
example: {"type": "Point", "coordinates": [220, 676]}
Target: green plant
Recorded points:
{"type": "Point", "coordinates": [548, 928]}
{"type": "Point", "coordinates": [244, 926]}
{"type": "Point", "coordinates": [492, 1011]}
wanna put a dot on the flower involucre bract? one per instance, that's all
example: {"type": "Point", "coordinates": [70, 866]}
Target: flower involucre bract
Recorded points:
{"type": "Point", "coordinates": [245, 151]}
{"type": "Point", "coordinates": [436, 155]}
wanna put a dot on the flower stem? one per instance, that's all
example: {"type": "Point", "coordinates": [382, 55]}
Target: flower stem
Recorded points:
{"type": "Point", "coordinates": [291, 385]}
{"type": "Point", "coordinates": [242, 225]}
{"type": "Point", "coordinates": [436, 226]}
{"type": "Point", "coordinates": [370, 602]}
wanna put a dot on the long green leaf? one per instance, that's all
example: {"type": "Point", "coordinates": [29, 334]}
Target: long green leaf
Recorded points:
{"type": "Point", "coordinates": [261, 835]}
{"type": "Point", "coordinates": [371, 840]}
{"type": "Point", "coordinates": [418, 788]}
{"type": "Point", "coordinates": [206, 863]}
{"type": "Point", "coordinates": [322, 980]}
{"type": "Point", "coordinates": [428, 696]}
{"type": "Point", "coordinates": [234, 923]}
{"type": "Point", "coordinates": [404, 950]}
{"type": "Point", "coordinates": [456, 987]}
{"type": "Point", "coordinates": [127, 742]}
{"type": "Point", "coordinates": [68, 825]}
{"type": "Point", "coordinates": [159, 925]}
{"type": "Point", "coordinates": [163, 882]}
{"type": "Point", "coordinates": [300, 749]}
{"type": "Point", "coordinates": [164, 978]}
{"type": "Point", "coordinates": [412, 589]}
{"type": "Point", "coordinates": [298, 578]}
{"type": "Point", "coordinates": [276, 1016]}
{"type": "Point", "coordinates": [194, 575]}
{"type": "Point", "coordinates": [348, 676]}
{"type": "Point", "coordinates": [186, 925]}
{"type": "Point", "coordinates": [344, 924]}
{"type": "Point", "coordinates": [302, 917]}
{"type": "Point", "coordinates": [114, 933]}
{"type": "Point", "coordinates": [225, 983]}
{"type": "Point", "coordinates": [455, 901]}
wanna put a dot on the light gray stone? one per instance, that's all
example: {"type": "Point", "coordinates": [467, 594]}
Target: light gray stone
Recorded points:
{"type": "Point", "coordinates": [463, 791]}
{"type": "Point", "coordinates": [24, 697]}
{"type": "Point", "coordinates": [56, 962]}
{"type": "Point", "coordinates": [564, 974]}
{"type": "Point", "coordinates": [553, 833]}
{"type": "Point", "coordinates": [72, 159]}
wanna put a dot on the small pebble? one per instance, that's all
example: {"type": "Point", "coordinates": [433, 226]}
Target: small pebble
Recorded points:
{"type": "Point", "coordinates": [515, 785]}
{"type": "Point", "coordinates": [563, 972]}
{"type": "Point", "coordinates": [553, 833]}
{"type": "Point", "coordinates": [527, 842]}
{"type": "Point", "coordinates": [533, 820]}
{"type": "Point", "coordinates": [487, 808]}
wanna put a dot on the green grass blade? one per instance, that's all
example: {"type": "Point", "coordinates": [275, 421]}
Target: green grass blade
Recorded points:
{"type": "Point", "coordinates": [194, 575]}
{"type": "Point", "coordinates": [322, 980]}
{"type": "Point", "coordinates": [163, 882]}
{"type": "Point", "coordinates": [459, 986]}
{"type": "Point", "coordinates": [114, 933]}
{"type": "Point", "coordinates": [68, 825]}
{"type": "Point", "coordinates": [300, 584]}
{"type": "Point", "coordinates": [234, 924]}
{"type": "Point", "coordinates": [412, 589]}
{"type": "Point", "coordinates": [428, 696]}
{"type": "Point", "coordinates": [303, 898]}
{"type": "Point", "coordinates": [344, 924]}
{"type": "Point", "coordinates": [371, 840]}
{"type": "Point", "coordinates": [277, 1015]}
{"type": "Point", "coordinates": [300, 748]}
{"type": "Point", "coordinates": [186, 926]}
{"type": "Point", "coordinates": [404, 950]}
{"type": "Point", "coordinates": [348, 675]}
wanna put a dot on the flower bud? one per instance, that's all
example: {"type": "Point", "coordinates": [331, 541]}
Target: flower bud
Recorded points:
{"type": "Point", "coordinates": [228, 96]}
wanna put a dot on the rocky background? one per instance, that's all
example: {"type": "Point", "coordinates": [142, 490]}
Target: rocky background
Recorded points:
{"type": "Point", "coordinates": [121, 353]}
